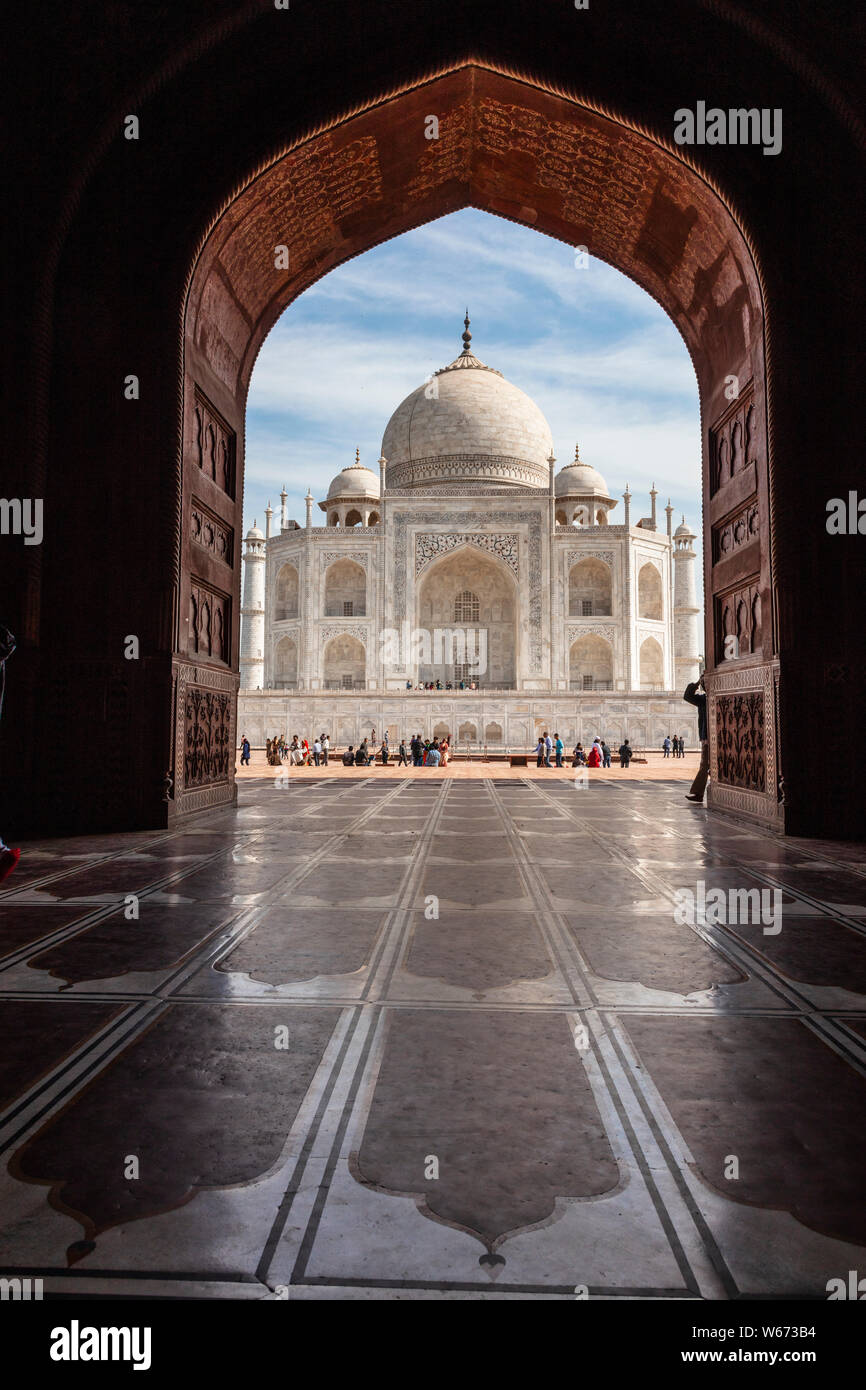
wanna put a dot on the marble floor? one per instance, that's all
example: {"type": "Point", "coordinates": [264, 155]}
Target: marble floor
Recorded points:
{"type": "Point", "coordinates": [409, 1038]}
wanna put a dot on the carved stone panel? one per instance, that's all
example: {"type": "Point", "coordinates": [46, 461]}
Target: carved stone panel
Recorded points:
{"type": "Point", "coordinates": [736, 532]}
{"type": "Point", "coordinates": [207, 741]}
{"type": "Point", "coordinates": [212, 534]}
{"type": "Point", "coordinates": [738, 615]}
{"type": "Point", "coordinates": [734, 440]}
{"type": "Point", "coordinates": [214, 444]}
{"type": "Point", "coordinates": [740, 740]}
{"type": "Point", "coordinates": [430, 545]}
{"type": "Point", "coordinates": [209, 622]}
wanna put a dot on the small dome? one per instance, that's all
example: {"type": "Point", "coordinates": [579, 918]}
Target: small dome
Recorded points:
{"type": "Point", "coordinates": [579, 480]}
{"type": "Point", "coordinates": [684, 529]}
{"type": "Point", "coordinates": [254, 534]}
{"type": "Point", "coordinates": [354, 481]}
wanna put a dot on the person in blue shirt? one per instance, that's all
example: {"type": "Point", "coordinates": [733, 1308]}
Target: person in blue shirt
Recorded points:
{"type": "Point", "coordinates": [557, 745]}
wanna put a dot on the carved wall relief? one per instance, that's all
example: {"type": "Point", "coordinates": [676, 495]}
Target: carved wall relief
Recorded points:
{"type": "Point", "coordinates": [214, 444]}
{"type": "Point", "coordinates": [207, 736]}
{"type": "Point", "coordinates": [212, 534]}
{"type": "Point", "coordinates": [734, 440]}
{"type": "Point", "coordinates": [740, 740]}
{"type": "Point", "coordinates": [738, 614]}
{"type": "Point", "coordinates": [737, 531]}
{"type": "Point", "coordinates": [209, 622]}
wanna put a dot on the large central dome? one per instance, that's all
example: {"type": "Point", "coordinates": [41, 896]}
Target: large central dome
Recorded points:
{"type": "Point", "coordinates": [467, 425]}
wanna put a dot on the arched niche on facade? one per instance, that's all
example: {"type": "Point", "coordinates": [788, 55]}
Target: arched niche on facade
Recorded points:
{"type": "Point", "coordinates": [649, 592]}
{"type": "Point", "coordinates": [590, 588]}
{"type": "Point", "coordinates": [344, 663]}
{"type": "Point", "coordinates": [286, 662]}
{"type": "Point", "coordinates": [345, 590]}
{"type": "Point", "coordinates": [286, 595]}
{"type": "Point", "coordinates": [467, 601]}
{"type": "Point", "coordinates": [590, 663]}
{"type": "Point", "coordinates": [652, 665]}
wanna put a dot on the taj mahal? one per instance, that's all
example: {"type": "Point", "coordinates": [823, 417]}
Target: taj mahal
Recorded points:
{"type": "Point", "coordinates": [469, 560]}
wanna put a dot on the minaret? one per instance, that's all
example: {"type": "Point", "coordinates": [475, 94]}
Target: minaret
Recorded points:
{"type": "Point", "coordinates": [653, 495]}
{"type": "Point", "coordinates": [284, 520]}
{"type": "Point", "coordinates": [669, 512]}
{"type": "Point", "coordinates": [269, 512]}
{"type": "Point", "coordinates": [687, 644]}
{"type": "Point", "coordinates": [252, 661]}
{"type": "Point", "coordinates": [626, 497]}
{"type": "Point", "coordinates": [309, 499]}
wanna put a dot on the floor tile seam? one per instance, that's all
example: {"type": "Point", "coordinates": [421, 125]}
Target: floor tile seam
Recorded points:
{"type": "Point", "coordinates": [592, 1012]}
{"type": "Point", "coordinates": [396, 940]}
{"type": "Point", "coordinates": [746, 958]}
{"type": "Point", "coordinates": [75, 1071]}
{"type": "Point", "coordinates": [98, 914]}
{"type": "Point", "coordinates": [239, 929]}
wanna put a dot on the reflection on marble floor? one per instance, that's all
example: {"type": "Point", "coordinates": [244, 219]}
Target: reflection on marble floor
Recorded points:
{"type": "Point", "coordinates": [402, 1040]}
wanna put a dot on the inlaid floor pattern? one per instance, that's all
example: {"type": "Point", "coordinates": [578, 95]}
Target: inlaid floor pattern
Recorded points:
{"type": "Point", "coordinates": [413, 1039]}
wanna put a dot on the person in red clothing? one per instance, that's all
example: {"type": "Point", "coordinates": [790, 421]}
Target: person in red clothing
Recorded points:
{"type": "Point", "coordinates": [594, 759]}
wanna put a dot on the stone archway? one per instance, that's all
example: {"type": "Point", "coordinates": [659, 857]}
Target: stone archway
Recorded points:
{"type": "Point", "coordinates": [590, 589]}
{"type": "Point", "coordinates": [528, 150]}
{"type": "Point", "coordinates": [590, 663]}
{"type": "Point", "coordinates": [651, 664]}
{"type": "Point", "coordinates": [286, 596]}
{"type": "Point", "coordinates": [649, 592]}
{"type": "Point", "coordinates": [286, 663]}
{"type": "Point", "coordinates": [467, 606]}
{"type": "Point", "coordinates": [344, 662]}
{"type": "Point", "coordinates": [582, 172]}
{"type": "Point", "coordinates": [345, 590]}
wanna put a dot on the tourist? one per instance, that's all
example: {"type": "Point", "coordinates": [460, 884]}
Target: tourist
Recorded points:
{"type": "Point", "coordinates": [415, 747]}
{"type": "Point", "coordinates": [605, 754]}
{"type": "Point", "coordinates": [305, 752]}
{"type": "Point", "coordinates": [695, 694]}
{"type": "Point", "coordinates": [443, 752]}
{"type": "Point", "coordinates": [245, 751]}
{"type": "Point", "coordinates": [579, 756]}
{"type": "Point", "coordinates": [269, 751]}
{"type": "Point", "coordinates": [349, 757]}
{"type": "Point", "coordinates": [462, 685]}
{"type": "Point", "coordinates": [361, 754]}
{"type": "Point", "coordinates": [404, 760]}
{"type": "Point", "coordinates": [326, 745]}
{"type": "Point", "coordinates": [548, 748]}
{"type": "Point", "coordinates": [557, 747]}
{"type": "Point", "coordinates": [383, 752]}
{"type": "Point", "coordinates": [625, 754]}
{"type": "Point", "coordinates": [295, 754]}
{"type": "Point", "coordinates": [594, 759]}
{"type": "Point", "coordinates": [317, 751]}
{"type": "Point", "coordinates": [539, 752]}
{"type": "Point", "coordinates": [433, 754]}
{"type": "Point", "coordinates": [667, 746]}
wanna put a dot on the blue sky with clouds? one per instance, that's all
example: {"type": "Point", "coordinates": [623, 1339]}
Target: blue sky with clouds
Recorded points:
{"type": "Point", "coordinates": [600, 358]}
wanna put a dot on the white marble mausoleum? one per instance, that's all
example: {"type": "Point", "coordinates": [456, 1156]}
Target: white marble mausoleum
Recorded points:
{"type": "Point", "coordinates": [469, 557]}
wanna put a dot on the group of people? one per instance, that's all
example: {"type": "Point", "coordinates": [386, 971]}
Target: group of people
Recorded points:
{"type": "Point", "coordinates": [437, 685]}
{"type": "Point", "coordinates": [675, 746]}
{"type": "Point", "coordinates": [597, 755]}
{"type": "Point", "coordinates": [299, 753]}
{"type": "Point", "coordinates": [424, 753]}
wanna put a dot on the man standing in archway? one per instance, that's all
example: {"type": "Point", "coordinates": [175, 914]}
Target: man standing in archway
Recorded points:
{"type": "Point", "coordinates": [696, 695]}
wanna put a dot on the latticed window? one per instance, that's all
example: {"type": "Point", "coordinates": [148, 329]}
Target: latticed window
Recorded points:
{"type": "Point", "coordinates": [348, 608]}
{"type": "Point", "coordinates": [466, 607]}
{"type": "Point", "coordinates": [587, 607]}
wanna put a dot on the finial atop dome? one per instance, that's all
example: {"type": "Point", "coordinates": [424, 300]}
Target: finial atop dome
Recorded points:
{"type": "Point", "coordinates": [577, 453]}
{"type": "Point", "coordinates": [357, 457]}
{"type": "Point", "coordinates": [467, 336]}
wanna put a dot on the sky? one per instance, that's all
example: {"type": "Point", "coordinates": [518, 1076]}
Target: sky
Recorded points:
{"type": "Point", "coordinates": [600, 358]}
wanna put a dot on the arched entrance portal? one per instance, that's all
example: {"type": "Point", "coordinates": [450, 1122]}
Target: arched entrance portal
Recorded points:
{"type": "Point", "coordinates": [467, 621]}
{"type": "Point", "coordinates": [579, 176]}
{"type": "Point", "coordinates": [360, 172]}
